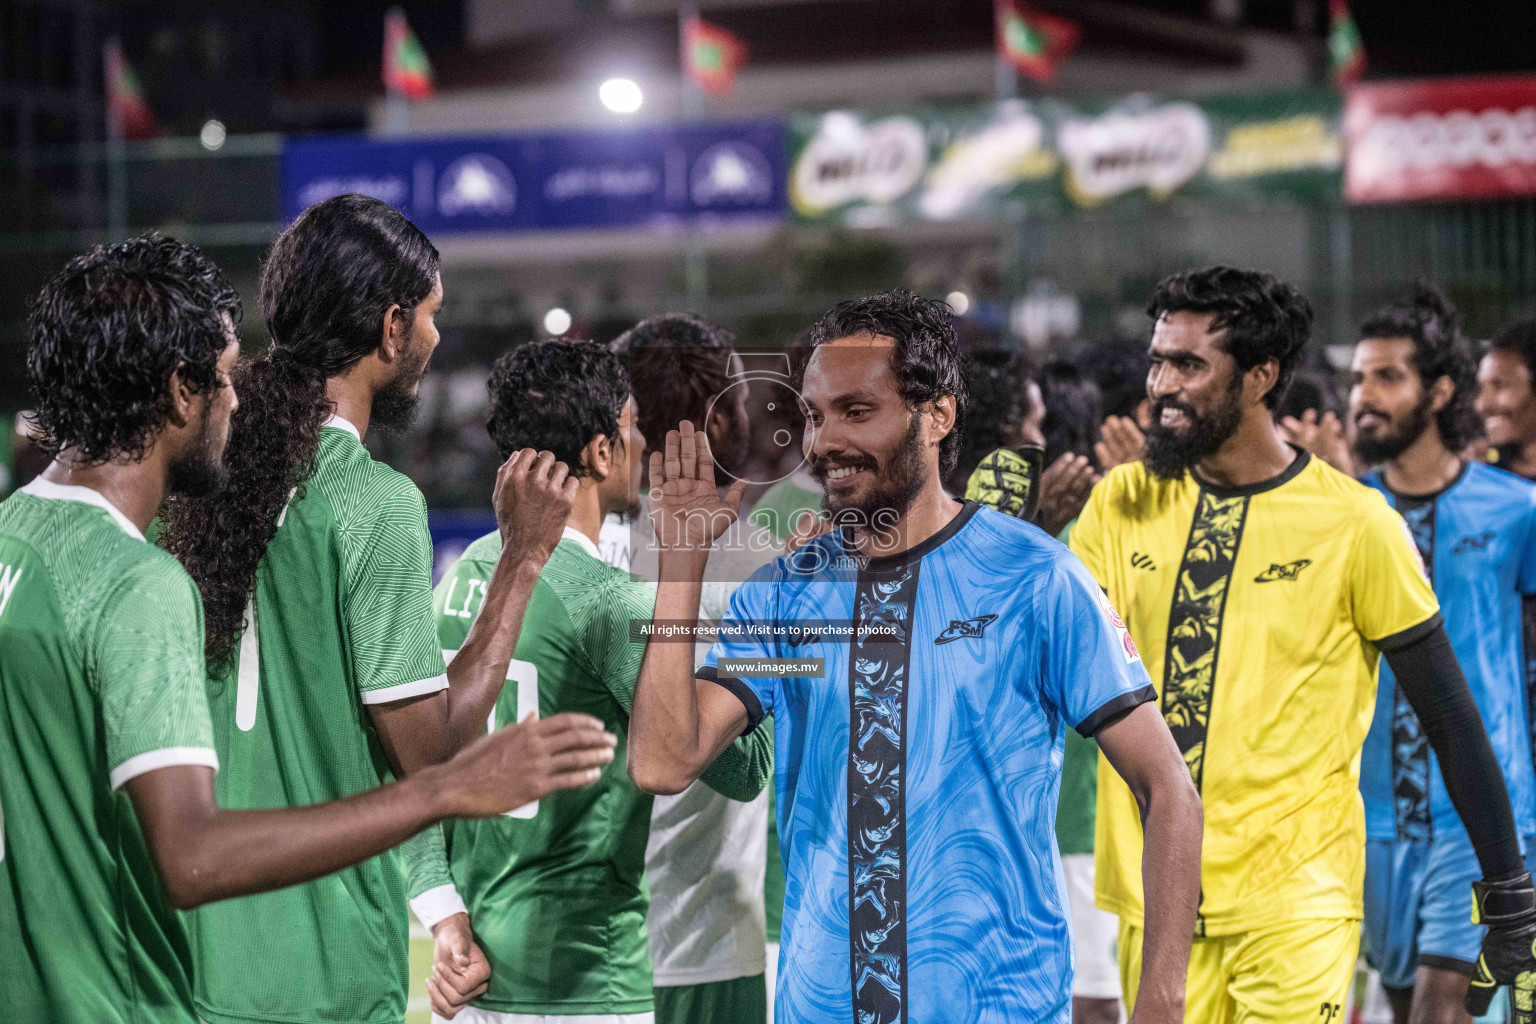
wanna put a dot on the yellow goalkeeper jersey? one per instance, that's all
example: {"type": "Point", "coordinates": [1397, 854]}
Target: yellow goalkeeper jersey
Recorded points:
{"type": "Point", "coordinates": [1258, 611]}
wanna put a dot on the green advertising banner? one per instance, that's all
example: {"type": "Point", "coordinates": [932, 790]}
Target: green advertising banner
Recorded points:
{"type": "Point", "coordinates": [871, 169]}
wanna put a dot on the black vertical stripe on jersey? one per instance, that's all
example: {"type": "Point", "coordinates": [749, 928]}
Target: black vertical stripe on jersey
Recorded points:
{"type": "Point", "coordinates": [1194, 622]}
{"type": "Point", "coordinates": [1410, 744]}
{"type": "Point", "coordinates": [877, 768]}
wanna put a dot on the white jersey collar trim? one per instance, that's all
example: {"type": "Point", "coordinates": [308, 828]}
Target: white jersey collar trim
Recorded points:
{"type": "Point", "coordinates": [341, 424]}
{"type": "Point", "coordinates": [572, 534]}
{"type": "Point", "coordinates": [40, 488]}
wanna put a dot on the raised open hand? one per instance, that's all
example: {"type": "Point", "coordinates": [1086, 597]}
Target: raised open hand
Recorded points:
{"type": "Point", "coordinates": [1322, 436]}
{"type": "Point", "coordinates": [687, 511]}
{"type": "Point", "coordinates": [1121, 441]}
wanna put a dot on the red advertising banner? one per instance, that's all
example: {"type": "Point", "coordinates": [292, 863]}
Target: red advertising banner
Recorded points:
{"type": "Point", "coordinates": [1472, 138]}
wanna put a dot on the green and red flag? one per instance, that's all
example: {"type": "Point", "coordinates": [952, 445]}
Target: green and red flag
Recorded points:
{"type": "Point", "coordinates": [711, 55]}
{"type": "Point", "coordinates": [1032, 42]}
{"type": "Point", "coordinates": [128, 114]}
{"type": "Point", "coordinates": [406, 70]}
{"type": "Point", "coordinates": [1345, 50]}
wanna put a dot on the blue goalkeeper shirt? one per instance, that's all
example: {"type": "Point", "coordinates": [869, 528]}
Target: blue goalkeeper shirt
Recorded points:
{"type": "Point", "coordinates": [1477, 538]}
{"type": "Point", "coordinates": [917, 775]}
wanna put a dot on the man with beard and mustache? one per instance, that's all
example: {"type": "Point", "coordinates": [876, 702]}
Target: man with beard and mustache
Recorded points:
{"type": "Point", "coordinates": [1475, 528]}
{"type": "Point", "coordinates": [1263, 584]}
{"type": "Point", "coordinates": [315, 567]}
{"type": "Point", "coordinates": [108, 817]}
{"type": "Point", "coordinates": [921, 664]}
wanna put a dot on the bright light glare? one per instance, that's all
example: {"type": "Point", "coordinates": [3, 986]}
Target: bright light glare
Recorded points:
{"type": "Point", "coordinates": [557, 321]}
{"type": "Point", "coordinates": [959, 302]}
{"type": "Point", "coordinates": [621, 95]}
{"type": "Point", "coordinates": [212, 135]}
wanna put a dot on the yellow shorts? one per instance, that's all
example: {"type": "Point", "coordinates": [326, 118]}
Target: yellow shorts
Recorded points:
{"type": "Point", "coordinates": [1283, 974]}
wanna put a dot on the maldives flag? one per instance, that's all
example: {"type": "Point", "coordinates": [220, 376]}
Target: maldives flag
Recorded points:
{"type": "Point", "coordinates": [1345, 50]}
{"type": "Point", "coordinates": [711, 55]}
{"type": "Point", "coordinates": [1032, 42]}
{"type": "Point", "coordinates": [406, 71]}
{"type": "Point", "coordinates": [128, 115]}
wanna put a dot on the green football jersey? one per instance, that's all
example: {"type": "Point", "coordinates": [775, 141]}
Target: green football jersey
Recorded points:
{"type": "Point", "coordinates": [101, 680]}
{"type": "Point", "coordinates": [558, 899]}
{"type": "Point", "coordinates": [343, 619]}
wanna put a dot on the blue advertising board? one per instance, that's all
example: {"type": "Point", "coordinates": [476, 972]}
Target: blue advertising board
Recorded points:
{"type": "Point", "coordinates": [580, 179]}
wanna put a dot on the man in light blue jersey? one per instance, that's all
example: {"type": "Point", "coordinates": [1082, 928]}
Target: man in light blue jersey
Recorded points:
{"type": "Point", "coordinates": [921, 664]}
{"type": "Point", "coordinates": [1475, 529]}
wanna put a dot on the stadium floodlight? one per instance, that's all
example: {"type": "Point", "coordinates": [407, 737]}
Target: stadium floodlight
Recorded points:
{"type": "Point", "coordinates": [958, 301]}
{"type": "Point", "coordinates": [621, 95]}
{"type": "Point", "coordinates": [212, 136]}
{"type": "Point", "coordinates": [557, 321]}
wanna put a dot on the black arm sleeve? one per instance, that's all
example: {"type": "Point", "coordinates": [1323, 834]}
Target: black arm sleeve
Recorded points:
{"type": "Point", "coordinates": [1427, 670]}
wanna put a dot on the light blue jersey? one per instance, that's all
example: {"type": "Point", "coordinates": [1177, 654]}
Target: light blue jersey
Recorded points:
{"type": "Point", "coordinates": [1478, 541]}
{"type": "Point", "coordinates": [918, 773]}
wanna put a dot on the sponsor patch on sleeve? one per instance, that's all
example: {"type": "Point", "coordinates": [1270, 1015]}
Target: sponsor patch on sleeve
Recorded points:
{"type": "Point", "coordinates": [1413, 546]}
{"type": "Point", "coordinates": [1127, 645]}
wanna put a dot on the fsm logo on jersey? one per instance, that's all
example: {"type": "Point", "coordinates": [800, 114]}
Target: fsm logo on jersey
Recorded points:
{"type": "Point", "coordinates": [476, 183]}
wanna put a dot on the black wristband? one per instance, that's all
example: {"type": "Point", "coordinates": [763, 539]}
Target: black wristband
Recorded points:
{"type": "Point", "coordinates": [1505, 902]}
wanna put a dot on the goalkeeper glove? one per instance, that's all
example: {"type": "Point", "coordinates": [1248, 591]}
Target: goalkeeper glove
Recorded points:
{"type": "Point", "coordinates": [1508, 957]}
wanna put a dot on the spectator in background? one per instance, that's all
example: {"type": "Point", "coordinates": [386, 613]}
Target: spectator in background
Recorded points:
{"type": "Point", "coordinates": [1506, 398]}
{"type": "Point", "coordinates": [1071, 429]}
{"type": "Point", "coordinates": [1006, 410]}
{"type": "Point", "coordinates": [1119, 367]}
{"type": "Point", "coordinates": [1311, 415]}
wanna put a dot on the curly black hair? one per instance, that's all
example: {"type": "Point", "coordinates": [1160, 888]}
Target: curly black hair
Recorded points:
{"type": "Point", "coordinates": [926, 359]}
{"type": "Point", "coordinates": [1519, 338]}
{"type": "Point", "coordinates": [325, 287]}
{"type": "Point", "coordinates": [109, 330]}
{"type": "Point", "coordinates": [1072, 404]}
{"type": "Point", "coordinates": [557, 396]}
{"type": "Point", "coordinates": [997, 381]}
{"type": "Point", "coordinates": [1264, 318]}
{"type": "Point", "coordinates": [1432, 323]}
{"type": "Point", "coordinates": [679, 364]}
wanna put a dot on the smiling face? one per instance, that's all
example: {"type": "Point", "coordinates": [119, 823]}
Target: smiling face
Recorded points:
{"type": "Point", "coordinates": [1196, 392]}
{"type": "Point", "coordinates": [1506, 399]}
{"type": "Point", "coordinates": [870, 452]}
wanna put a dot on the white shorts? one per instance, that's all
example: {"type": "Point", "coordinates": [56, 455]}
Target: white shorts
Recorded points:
{"type": "Point", "coordinates": [771, 975]}
{"type": "Point", "coordinates": [473, 1015]}
{"type": "Point", "coordinates": [1095, 933]}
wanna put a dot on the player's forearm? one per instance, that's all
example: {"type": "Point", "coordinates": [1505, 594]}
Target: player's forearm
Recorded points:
{"type": "Point", "coordinates": [1432, 680]}
{"type": "Point", "coordinates": [217, 854]}
{"type": "Point", "coordinates": [1172, 821]}
{"type": "Point", "coordinates": [667, 751]}
{"type": "Point", "coordinates": [479, 670]}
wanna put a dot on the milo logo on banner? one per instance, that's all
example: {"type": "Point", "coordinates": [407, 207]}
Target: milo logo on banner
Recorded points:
{"type": "Point", "coordinates": [1158, 149]}
{"type": "Point", "coordinates": [848, 161]}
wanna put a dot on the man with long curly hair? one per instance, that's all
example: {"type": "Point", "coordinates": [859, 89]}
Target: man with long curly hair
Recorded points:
{"type": "Point", "coordinates": [108, 818]}
{"type": "Point", "coordinates": [315, 569]}
{"type": "Point", "coordinates": [1475, 528]}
